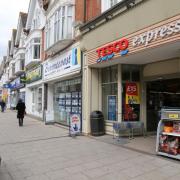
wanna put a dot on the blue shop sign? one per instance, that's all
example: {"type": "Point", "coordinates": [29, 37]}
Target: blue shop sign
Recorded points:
{"type": "Point", "coordinates": [17, 83]}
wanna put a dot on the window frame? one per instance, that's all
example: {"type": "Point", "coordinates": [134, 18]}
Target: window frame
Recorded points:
{"type": "Point", "coordinates": [57, 26]}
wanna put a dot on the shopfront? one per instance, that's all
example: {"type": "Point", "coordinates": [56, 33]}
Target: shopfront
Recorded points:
{"type": "Point", "coordinates": [135, 75]}
{"type": "Point", "coordinates": [17, 90]}
{"type": "Point", "coordinates": [63, 78]}
{"type": "Point", "coordinates": [67, 99]}
{"type": "Point", "coordinates": [161, 93]}
{"type": "Point", "coordinates": [34, 91]}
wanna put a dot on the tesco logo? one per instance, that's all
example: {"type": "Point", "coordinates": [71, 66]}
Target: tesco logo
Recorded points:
{"type": "Point", "coordinates": [107, 52]}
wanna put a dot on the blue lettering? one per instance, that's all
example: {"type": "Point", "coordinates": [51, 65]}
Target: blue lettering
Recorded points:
{"type": "Point", "coordinates": [124, 52]}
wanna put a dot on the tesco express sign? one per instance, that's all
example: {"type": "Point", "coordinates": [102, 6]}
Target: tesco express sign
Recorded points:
{"type": "Point", "coordinates": [162, 32]}
{"type": "Point", "coordinates": [107, 52]}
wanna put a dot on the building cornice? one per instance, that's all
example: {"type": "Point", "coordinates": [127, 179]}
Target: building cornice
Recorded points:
{"type": "Point", "coordinates": [108, 15]}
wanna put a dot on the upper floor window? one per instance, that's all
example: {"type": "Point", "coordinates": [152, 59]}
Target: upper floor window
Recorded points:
{"type": "Point", "coordinates": [59, 26]}
{"type": "Point", "coordinates": [106, 4]}
{"type": "Point", "coordinates": [113, 2]}
{"type": "Point", "coordinates": [33, 49]}
{"type": "Point", "coordinates": [36, 48]}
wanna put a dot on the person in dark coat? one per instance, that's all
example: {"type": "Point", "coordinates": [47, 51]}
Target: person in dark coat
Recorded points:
{"type": "Point", "coordinates": [3, 105]}
{"type": "Point", "coordinates": [20, 111]}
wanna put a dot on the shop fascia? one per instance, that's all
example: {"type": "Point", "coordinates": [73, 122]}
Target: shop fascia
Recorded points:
{"type": "Point", "coordinates": [62, 64]}
{"type": "Point", "coordinates": [17, 83]}
{"type": "Point", "coordinates": [34, 75]}
{"type": "Point", "coordinates": [152, 35]}
{"type": "Point", "coordinates": [107, 52]}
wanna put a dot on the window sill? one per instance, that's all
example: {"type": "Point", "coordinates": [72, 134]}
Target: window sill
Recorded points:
{"type": "Point", "coordinates": [58, 46]}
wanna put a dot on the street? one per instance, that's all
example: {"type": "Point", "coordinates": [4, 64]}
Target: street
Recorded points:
{"type": "Point", "coordinates": [45, 152]}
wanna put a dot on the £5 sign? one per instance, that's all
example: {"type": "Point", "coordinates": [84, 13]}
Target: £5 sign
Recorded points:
{"type": "Point", "coordinates": [107, 52]}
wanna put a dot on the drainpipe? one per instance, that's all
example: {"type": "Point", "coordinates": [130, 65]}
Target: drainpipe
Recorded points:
{"type": "Point", "coordinates": [85, 10]}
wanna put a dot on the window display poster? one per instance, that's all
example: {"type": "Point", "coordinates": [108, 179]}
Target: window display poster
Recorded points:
{"type": "Point", "coordinates": [132, 102]}
{"type": "Point", "coordinates": [75, 124]}
{"type": "Point", "coordinates": [111, 107]}
{"type": "Point", "coordinates": [132, 93]}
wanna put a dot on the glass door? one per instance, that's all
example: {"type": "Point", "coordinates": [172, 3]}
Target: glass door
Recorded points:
{"type": "Point", "coordinates": [130, 92]}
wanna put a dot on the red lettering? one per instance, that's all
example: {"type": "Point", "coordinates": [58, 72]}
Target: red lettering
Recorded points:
{"type": "Point", "coordinates": [114, 47]}
{"type": "Point", "coordinates": [110, 49]}
{"type": "Point", "coordinates": [103, 51]}
{"type": "Point", "coordinates": [124, 43]}
{"type": "Point", "coordinates": [99, 52]}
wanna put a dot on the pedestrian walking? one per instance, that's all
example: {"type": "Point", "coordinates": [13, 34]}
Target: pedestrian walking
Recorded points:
{"type": "Point", "coordinates": [3, 105]}
{"type": "Point", "coordinates": [21, 110]}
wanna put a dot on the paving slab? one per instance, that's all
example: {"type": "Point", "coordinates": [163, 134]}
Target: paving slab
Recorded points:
{"type": "Point", "coordinates": [46, 152]}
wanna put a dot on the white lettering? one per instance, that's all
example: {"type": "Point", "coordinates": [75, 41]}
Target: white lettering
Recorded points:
{"type": "Point", "coordinates": [177, 26]}
{"type": "Point", "coordinates": [156, 33]}
{"type": "Point", "coordinates": [170, 29]}
{"type": "Point", "coordinates": [142, 39]}
{"type": "Point", "coordinates": [146, 38]}
{"type": "Point", "coordinates": [135, 40]}
{"type": "Point", "coordinates": [163, 31]}
{"type": "Point", "coordinates": [149, 37]}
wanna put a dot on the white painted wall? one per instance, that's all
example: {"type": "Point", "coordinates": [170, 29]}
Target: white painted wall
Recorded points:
{"type": "Point", "coordinates": [38, 16]}
{"type": "Point", "coordinates": [29, 103]}
{"type": "Point", "coordinates": [28, 99]}
{"type": "Point", "coordinates": [50, 105]}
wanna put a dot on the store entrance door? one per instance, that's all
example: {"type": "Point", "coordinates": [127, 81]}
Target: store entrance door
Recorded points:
{"type": "Point", "coordinates": [161, 93]}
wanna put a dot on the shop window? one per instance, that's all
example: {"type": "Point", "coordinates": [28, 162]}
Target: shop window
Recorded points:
{"type": "Point", "coordinates": [109, 74]}
{"type": "Point", "coordinates": [109, 93]}
{"type": "Point", "coordinates": [67, 100]}
{"type": "Point", "coordinates": [130, 92]}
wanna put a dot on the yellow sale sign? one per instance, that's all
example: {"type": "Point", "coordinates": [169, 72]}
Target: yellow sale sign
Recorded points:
{"type": "Point", "coordinates": [132, 93]}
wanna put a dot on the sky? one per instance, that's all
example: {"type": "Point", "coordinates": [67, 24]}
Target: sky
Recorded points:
{"type": "Point", "coordinates": [9, 14]}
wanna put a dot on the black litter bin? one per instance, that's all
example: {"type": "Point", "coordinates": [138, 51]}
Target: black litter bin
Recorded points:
{"type": "Point", "coordinates": [97, 123]}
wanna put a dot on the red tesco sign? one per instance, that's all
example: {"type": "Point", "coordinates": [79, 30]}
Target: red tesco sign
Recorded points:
{"type": "Point", "coordinates": [113, 48]}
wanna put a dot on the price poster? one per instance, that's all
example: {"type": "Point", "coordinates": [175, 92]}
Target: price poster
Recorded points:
{"type": "Point", "coordinates": [132, 93]}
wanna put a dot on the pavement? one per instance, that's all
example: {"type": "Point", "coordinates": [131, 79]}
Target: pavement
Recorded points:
{"type": "Point", "coordinates": [45, 152]}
